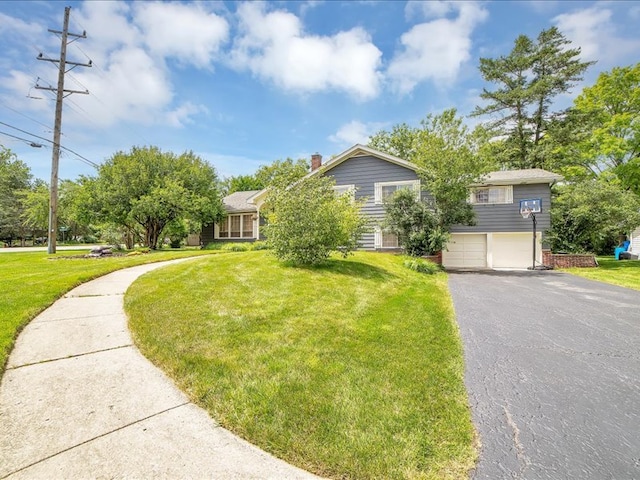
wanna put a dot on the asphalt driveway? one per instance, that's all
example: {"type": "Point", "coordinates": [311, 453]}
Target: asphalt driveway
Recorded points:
{"type": "Point", "coordinates": [553, 374]}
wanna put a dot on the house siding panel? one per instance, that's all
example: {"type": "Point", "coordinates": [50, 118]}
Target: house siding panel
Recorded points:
{"type": "Point", "coordinates": [506, 217]}
{"type": "Point", "coordinates": [364, 172]}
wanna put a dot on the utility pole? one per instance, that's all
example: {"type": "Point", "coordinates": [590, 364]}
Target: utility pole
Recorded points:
{"type": "Point", "coordinates": [60, 95]}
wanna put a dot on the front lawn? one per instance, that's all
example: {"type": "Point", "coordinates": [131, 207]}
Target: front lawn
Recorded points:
{"type": "Point", "coordinates": [351, 370]}
{"type": "Point", "coordinates": [30, 282]}
{"type": "Point", "coordinates": [625, 273]}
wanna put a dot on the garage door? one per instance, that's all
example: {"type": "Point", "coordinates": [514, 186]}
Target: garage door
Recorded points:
{"type": "Point", "coordinates": [514, 250]}
{"type": "Point", "coordinates": [466, 251]}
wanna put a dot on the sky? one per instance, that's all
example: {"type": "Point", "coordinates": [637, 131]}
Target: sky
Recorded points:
{"type": "Point", "coordinates": [242, 84]}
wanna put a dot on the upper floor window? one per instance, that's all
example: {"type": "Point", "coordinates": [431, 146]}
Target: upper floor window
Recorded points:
{"type": "Point", "coordinates": [384, 190]}
{"type": "Point", "coordinates": [491, 195]}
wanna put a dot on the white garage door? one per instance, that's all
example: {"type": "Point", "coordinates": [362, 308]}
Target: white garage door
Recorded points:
{"type": "Point", "coordinates": [514, 250]}
{"type": "Point", "coordinates": [466, 251]}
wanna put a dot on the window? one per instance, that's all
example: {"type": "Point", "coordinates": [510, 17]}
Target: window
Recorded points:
{"type": "Point", "coordinates": [247, 226]}
{"type": "Point", "coordinates": [385, 239]}
{"type": "Point", "coordinates": [491, 195]}
{"type": "Point", "coordinates": [236, 226]}
{"type": "Point", "coordinates": [344, 189]}
{"type": "Point", "coordinates": [386, 189]}
{"type": "Point", "coordinates": [389, 240]}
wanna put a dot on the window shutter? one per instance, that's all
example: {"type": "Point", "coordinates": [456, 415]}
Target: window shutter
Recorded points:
{"type": "Point", "coordinates": [508, 194]}
{"type": "Point", "coordinates": [378, 193]}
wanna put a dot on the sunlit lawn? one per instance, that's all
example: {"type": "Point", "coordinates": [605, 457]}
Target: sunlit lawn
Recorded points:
{"type": "Point", "coordinates": [625, 273]}
{"type": "Point", "coordinates": [30, 282]}
{"type": "Point", "coordinates": [352, 370]}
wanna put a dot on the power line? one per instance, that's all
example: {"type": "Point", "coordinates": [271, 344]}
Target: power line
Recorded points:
{"type": "Point", "coordinates": [32, 144]}
{"type": "Point", "coordinates": [82, 158]}
{"type": "Point", "coordinates": [25, 116]}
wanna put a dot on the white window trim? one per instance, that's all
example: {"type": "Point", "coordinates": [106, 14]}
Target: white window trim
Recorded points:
{"type": "Point", "coordinates": [216, 231]}
{"type": "Point", "coordinates": [377, 240]}
{"type": "Point", "coordinates": [414, 184]}
{"type": "Point", "coordinates": [508, 196]}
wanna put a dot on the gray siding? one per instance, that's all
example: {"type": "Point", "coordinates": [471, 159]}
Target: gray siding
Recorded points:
{"type": "Point", "coordinates": [506, 217]}
{"type": "Point", "coordinates": [364, 172]}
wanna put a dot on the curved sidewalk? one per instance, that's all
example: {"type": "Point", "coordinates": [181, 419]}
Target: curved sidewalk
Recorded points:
{"type": "Point", "coordinates": [78, 400]}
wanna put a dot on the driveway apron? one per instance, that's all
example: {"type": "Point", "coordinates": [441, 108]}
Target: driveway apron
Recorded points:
{"type": "Point", "coordinates": [553, 374]}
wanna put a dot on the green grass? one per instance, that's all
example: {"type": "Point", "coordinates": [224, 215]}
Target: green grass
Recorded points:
{"type": "Point", "coordinates": [351, 370]}
{"type": "Point", "coordinates": [625, 273]}
{"type": "Point", "coordinates": [30, 282]}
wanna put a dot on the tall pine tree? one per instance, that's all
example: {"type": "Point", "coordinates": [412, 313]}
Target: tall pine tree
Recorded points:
{"type": "Point", "coordinates": [528, 81]}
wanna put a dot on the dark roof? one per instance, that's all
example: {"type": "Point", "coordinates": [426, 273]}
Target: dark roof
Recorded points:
{"type": "Point", "coordinates": [237, 202]}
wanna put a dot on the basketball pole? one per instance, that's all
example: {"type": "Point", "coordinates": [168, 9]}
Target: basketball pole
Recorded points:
{"type": "Point", "coordinates": [533, 217]}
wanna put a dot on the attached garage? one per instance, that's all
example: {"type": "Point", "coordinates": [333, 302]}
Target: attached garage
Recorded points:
{"type": "Point", "coordinates": [514, 250]}
{"type": "Point", "coordinates": [466, 250]}
{"type": "Point", "coordinates": [491, 250]}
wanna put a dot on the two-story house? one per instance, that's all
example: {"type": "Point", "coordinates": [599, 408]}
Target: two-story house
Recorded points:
{"type": "Point", "coordinates": [501, 238]}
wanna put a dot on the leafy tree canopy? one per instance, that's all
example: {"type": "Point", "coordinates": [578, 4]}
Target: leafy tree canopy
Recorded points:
{"type": "Point", "coordinates": [590, 215]}
{"type": "Point", "coordinates": [447, 154]}
{"type": "Point", "coordinates": [15, 177]}
{"type": "Point", "coordinates": [150, 188]}
{"type": "Point", "coordinates": [280, 172]}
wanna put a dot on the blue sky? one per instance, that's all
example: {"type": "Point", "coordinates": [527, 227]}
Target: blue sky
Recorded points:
{"type": "Point", "coordinates": [245, 83]}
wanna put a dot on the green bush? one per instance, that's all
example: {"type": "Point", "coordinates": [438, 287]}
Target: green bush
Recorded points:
{"type": "Point", "coordinates": [259, 246]}
{"type": "Point", "coordinates": [236, 247]}
{"type": "Point", "coordinates": [422, 266]}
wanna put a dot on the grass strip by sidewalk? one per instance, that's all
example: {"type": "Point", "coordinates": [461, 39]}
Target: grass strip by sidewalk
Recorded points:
{"type": "Point", "coordinates": [30, 282]}
{"type": "Point", "coordinates": [624, 273]}
{"type": "Point", "coordinates": [351, 370]}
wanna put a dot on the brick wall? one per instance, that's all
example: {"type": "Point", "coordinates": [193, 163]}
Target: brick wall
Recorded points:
{"type": "Point", "coordinates": [567, 260]}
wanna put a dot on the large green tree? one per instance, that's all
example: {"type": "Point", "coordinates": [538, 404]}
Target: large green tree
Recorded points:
{"type": "Point", "coordinates": [528, 81]}
{"type": "Point", "coordinates": [447, 154]}
{"type": "Point", "coordinates": [149, 188]}
{"type": "Point", "coordinates": [611, 140]}
{"type": "Point", "coordinates": [590, 215]}
{"type": "Point", "coordinates": [307, 221]}
{"type": "Point", "coordinates": [15, 177]}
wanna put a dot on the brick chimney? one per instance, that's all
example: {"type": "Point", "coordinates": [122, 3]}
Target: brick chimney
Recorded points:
{"type": "Point", "coordinates": [316, 161]}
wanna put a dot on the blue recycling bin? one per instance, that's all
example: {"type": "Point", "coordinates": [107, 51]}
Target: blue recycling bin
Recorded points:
{"type": "Point", "coordinates": [618, 251]}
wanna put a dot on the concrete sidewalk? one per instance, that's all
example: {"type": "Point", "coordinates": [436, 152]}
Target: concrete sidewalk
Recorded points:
{"type": "Point", "coordinates": [79, 401]}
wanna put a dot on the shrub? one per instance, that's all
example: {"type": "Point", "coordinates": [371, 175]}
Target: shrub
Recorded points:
{"type": "Point", "coordinates": [307, 221]}
{"type": "Point", "coordinates": [422, 266]}
{"type": "Point", "coordinates": [259, 246]}
{"type": "Point", "coordinates": [236, 247]}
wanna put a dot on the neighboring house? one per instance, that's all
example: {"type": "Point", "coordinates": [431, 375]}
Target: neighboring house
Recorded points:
{"type": "Point", "coordinates": [634, 238]}
{"type": "Point", "coordinates": [241, 223]}
{"type": "Point", "coordinates": [501, 238]}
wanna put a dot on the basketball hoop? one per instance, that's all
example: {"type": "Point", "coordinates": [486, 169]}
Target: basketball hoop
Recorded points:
{"type": "Point", "coordinates": [526, 212]}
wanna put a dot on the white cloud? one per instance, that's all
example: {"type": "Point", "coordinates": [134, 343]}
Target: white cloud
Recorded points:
{"type": "Point", "coordinates": [132, 87]}
{"type": "Point", "coordinates": [16, 26]}
{"type": "Point", "coordinates": [186, 32]}
{"type": "Point", "coordinates": [435, 50]}
{"type": "Point", "coordinates": [427, 10]}
{"type": "Point", "coordinates": [593, 30]}
{"type": "Point", "coordinates": [355, 132]}
{"type": "Point", "coordinates": [273, 46]}
{"type": "Point", "coordinates": [182, 115]}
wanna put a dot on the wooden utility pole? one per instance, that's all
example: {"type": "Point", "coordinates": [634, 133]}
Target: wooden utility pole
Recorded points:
{"type": "Point", "coordinates": [60, 95]}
